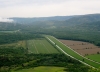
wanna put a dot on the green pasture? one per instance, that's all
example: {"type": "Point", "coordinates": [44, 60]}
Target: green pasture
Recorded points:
{"type": "Point", "coordinates": [72, 53]}
{"type": "Point", "coordinates": [42, 69]}
{"type": "Point", "coordinates": [37, 46]}
{"type": "Point", "coordinates": [95, 57]}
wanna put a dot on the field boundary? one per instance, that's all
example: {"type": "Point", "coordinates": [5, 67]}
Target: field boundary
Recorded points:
{"type": "Point", "coordinates": [53, 44]}
{"type": "Point", "coordinates": [41, 46]}
{"type": "Point", "coordinates": [68, 54]}
{"type": "Point", "coordinates": [77, 52]}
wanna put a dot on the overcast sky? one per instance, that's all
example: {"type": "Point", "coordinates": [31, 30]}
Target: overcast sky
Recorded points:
{"type": "Point", "coordinates": [44, 8]}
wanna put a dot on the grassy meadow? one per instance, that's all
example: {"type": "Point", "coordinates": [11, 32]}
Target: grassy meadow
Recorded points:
{"type": "Point", "coordinates": [43, 69]}
{"type": "Point", "coordinates": [95, 57]}
{"type": "Point", "coordinates": [37, 46]}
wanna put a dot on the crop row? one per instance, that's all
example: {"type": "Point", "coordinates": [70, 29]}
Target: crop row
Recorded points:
{"type": "Point", "coordinates": [37, 46]}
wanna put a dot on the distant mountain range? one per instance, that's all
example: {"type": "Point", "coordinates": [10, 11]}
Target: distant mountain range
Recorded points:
{"type": "Point", "coordinates": [81, 22]}
{"type": "Point", "coordinates": [83, 19]}
{"type": "Point", "coordinates": [78, 19]}
{"type": "Point", "coordinates": [31, 20]}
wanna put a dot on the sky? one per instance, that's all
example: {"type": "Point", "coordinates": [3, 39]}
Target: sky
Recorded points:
{"type": "Point", "coordinates": [45, 8]}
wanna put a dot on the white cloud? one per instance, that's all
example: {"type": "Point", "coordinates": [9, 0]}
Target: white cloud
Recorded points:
{"type": "Point", "coordinates": [40, 8]}
{"type": "Point", "coordinates": [5, 20]}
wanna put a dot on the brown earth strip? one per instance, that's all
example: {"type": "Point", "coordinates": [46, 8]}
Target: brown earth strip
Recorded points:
{"type": "Point", "coordinates": [84, 48]}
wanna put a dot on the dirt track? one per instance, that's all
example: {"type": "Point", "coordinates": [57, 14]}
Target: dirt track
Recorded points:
{"type": "Point", "coordinates": [84, 48]}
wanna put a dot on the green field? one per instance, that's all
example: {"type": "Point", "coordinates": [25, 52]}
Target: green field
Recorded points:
{"type": "Point", "coordinates": [95, 57]}
{"type": "Point", "coordinates": [37, 46]}
{"type": "Point", "coordinates": [72, 53]}
{"type": "Point", "coordinates": [42, 69]}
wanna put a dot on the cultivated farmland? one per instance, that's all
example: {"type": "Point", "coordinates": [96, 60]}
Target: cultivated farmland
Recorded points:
{"type": "Point", "coordinates": [72, 53]}
{"type": "Point", "coordinates": [95, 57]}
{"type": "Point", "coordinates": [84, 48]}
{"type": "Point", "coordinates": [41, 45]}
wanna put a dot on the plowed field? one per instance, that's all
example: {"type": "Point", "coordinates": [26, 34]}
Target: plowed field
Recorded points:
{"type": "Point", "coordinates": [84, 48]}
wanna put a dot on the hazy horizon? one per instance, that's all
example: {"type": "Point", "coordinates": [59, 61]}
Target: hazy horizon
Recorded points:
{"type": "Point", "coordinates": [47, 8]}
{"type": "Point", "coordinates": [11, 20]}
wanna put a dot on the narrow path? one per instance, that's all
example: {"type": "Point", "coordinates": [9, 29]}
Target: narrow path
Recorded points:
{"type": "Point", "coordinates": [68, 54]}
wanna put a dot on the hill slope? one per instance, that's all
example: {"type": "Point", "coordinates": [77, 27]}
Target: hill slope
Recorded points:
{"type": "Point", "coordinates": [31, 20]}
{"type": "Point", "coordinates": [83, 19]}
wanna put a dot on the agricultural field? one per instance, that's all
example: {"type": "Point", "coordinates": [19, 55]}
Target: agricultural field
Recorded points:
{"type": "Point", "coordinates": [73, 53]}
{"type": "Point", "coordinates": [42, 69]}
{"type": "Point", "coordinates": [83, 48]}
{"type": "Point", "coordinates": [95, 57]}
{"type": "Point", "coordinates": [41, 45]}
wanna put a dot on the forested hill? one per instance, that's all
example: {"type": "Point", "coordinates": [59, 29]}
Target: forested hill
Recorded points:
{"type": "Point", "coordinates": [92, 26]}
{"type": "Point", "coordinates": [81, 19]}
{"type": "Point", "coordinates": [66, 20]}
{"type": "Point", "coordinates": [31, 20]}
{"type": "Point", "coordinates": [8, 26]}
{"type": "Point", "coordinates": [81, 22]}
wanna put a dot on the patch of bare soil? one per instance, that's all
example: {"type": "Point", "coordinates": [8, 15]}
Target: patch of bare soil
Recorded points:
{"type": "Point", "coordinates": [84, 48]}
